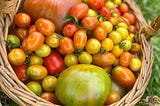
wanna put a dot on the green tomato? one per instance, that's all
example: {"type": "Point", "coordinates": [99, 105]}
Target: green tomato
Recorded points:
{"type": "Point", "coordinates": [53, 40]}
{"type": "Point", "coordinates": [85, 58]}
{"type": "Point", "coordinates": [12, 42]}
{"type": "Point", "coordinates": [70, 59]}
{"type": "Point", "coordinates": [43, 51]}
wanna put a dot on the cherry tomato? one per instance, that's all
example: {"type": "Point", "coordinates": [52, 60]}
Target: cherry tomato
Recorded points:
{"type": "Point", "coordinates": [123, 76]}
{"type": "Point", "coordinates": [70, 59]}
{"type": "Point", "coordinates": [51, 97]}
{"type": "Point", "coordinates": [104, 59]}
{"type": "Point", "coordinates": [43, 51]}
{"type": "Point", "coordinates": [36, 72]}
{"type": "Point", "coordinates": [126, 44]}
{"type": "Point", "coordinates": [33, 41]}
{"type": "Point", "coordinates": [107, 44]}
{"type": "Point", "coordinates": [132, 29]}
{"type": "Point", "coordinates": [16, 57]}
{"type": "Point", "coordinates": [21, 72]}
{"type": "Point", "coordinates": [125, 59]}
{"type": "Point", "coordinates": [123, 31]}
{"type": "Point", "coordinates": [135, 48]}
{"type": "Point", "coordinates": [35, 87]}
{"type": "Point", "coordinates": [22, 20]}
{"type": "Point", "coordinates": [93, 46]}
{"type": "Point", "coordinates": [35, 60]}
{"type": "Point", "coordinates": [105, 12]}
{"type": "Point", "coordinates": [80, 39]}
{"type": "Point", "coordinates": [135, 64]}
{"type": "Point", "coordinates": [52, 40]}
{"type": "Point", "coordinates": [109, 5]}
{"type": "Point", "coordinates": [92, 12]}
{"type": "Point", "coordinates": [12, 42]}
{"type": "Point", "coordinates": [85, 58]}
{"type": "Point", "coordinates": [100, 33]}
{"type": "Point", "coordinates": [89, 22]}
{"type": "Point", "coordinates": [117, 2]}
{"type": "Point", "coordinates": [21, 33]}
{"type": "Point", "coordinates": [45, 26]}
{"type": "Point", "coordinates": [49, 83]}
{"type": "Point", "coordinates": [112, 98]}
{"type": "Point", "coordinates": [131, 17]}
{"type": "Point", "coordinates": [114, 20]}
{"type": "Point", "coordinates": [79, 10]}
{"type": "Point", "coordinates": [96, 4]}
{"type": "Point", "coordinates": [32, 28]}
{"type": "Point", "coordinates": [123, 24]}
{"type": "Point", "coordinates": [69, 29]}
{"type": "Point", "coordinates": [54, 63]}
{"type": "Point", "coordinates": [123, 7]}
{"type": "Point", "coordinates": [117, 50]}
{"type": "Point", "coordinates": [107, 25]}
{"type": "Point", "coordinates": [115, 36]}
{"type": "Point", "coordinates": [66, 44]}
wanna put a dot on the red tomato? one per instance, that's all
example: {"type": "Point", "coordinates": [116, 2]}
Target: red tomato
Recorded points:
{"type": "Point", "coordinates": [132, 29]}
{"type": "Point", "coordinates": [105, 12]}
{"type": "Point", "coordinates": [22, 20]}
{"type": "Point", "coordinates": [21, 72]}
{"type": "Point", "coordinates": [69, 29]}
{"type": "Point", "coordinates": [66, 44]}
{"type": "Point", "coordinates": [33, 41]}
{"type": "Point", "coordinates": [124, 76]}
{"type": "Point", "coordinates": [96, 4]}
{"type": "Point", "coordinates": [131, 17]}
{"type": "Point", "coordinates": [54, 63]}
{"type": "Point", "coordinates": [123, 7]}
{"type": "Point", "coordinates": [125, 59]}
{"type": "Point", "coordinates": [79, 10]}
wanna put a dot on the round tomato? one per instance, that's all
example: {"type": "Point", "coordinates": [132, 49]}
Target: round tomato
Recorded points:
{"type": "Point", "coordinates": [125, 59]}
{"type": "Point", "coordinates": [69, 29]}
{"type": "Point", "coordinates": [52, 40]}
{"type": "Point", "coordinates": [123, 76]}
{"type": "Point", "coordinates": [109, 5]}
{"type": "Point", "coordinates": [60, 51]}
{"type": "Point", "coordinates": [131, 17]}
{"type": "Point", "coordinates": [107, 44]}
{"type": "Point", "coordinates": [12, 42]}
{"type": "Point", "coordinates": [66, 44]}
{"type": "Point", "coordinates": [85, 58]}
{"type": "Point", "coordinates": [115, 36]}
{"type": "Point", "coordinates": [35, 87]}
{"type": "Point", "coordinates": [135, 64]}
{"type": "Point", "coordinates": [100, 33]}
{"type": "Point", "coordinates": [135, 48]}
{"type": "Point", "coordinates": [50, 96]}
{"type": "Point", "coordinates": [117, 50]}
{"type": "Point", "coordinates": [105, 12]}
{"type": "Point", "coordinates": [123, 31]}
{"type": "Point", "coordinates": [49, 83]}
{"type": "Point", "coordinates": [107, 25]}
{"type": "Point", "coordinates": [92, 12]}
{"type": "Point", "coordinates": [45, 26]}
{"type": "Point", "coordinates": [93, 46]}
{"type": "Point", "coordinates": [16, 57]}
{"type": "Point", "coordinates": [132, 29]}
{"type": "Point", "coordinates": [33, 41]}
{"type": "Point", "coordinates": [114, 20]}
{"type": "Point", "coordinates": [89, 22]}
{"type": "Point", "coordinates": [122, 24]}
{"type": "Point", "coordinates": [43, 51]}
{"type": "Point", "coordinates": [35, 60]}
{"type": "Point", "coordinates": [95, 4]}
{"type": "Point", "coordinates": [123, 7]}
{"type": "Point", "coordinates": [22, 20]}
{"type": "Point", "coordinates": [126, 45]}
{"type": "Point", "coordinates": [117, 2]}
{"type": "Point", "coordinates": [54, 63]}
{"type": "Point", "coordinates": [79, 10]}
{"type": "Point", "coordinates": [70, 59]}
{"type": "Point", "coordinates": [21, 72]}
{"type": "Point", "coordinates": [37, 72]}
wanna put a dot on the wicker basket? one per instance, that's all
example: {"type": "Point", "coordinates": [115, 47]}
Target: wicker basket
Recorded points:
{"type": "Point", "coordinates": [18, 92]}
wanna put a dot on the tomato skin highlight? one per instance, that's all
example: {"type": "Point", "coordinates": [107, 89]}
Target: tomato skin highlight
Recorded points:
{"type": "Point", "coordinates": [54, 63]}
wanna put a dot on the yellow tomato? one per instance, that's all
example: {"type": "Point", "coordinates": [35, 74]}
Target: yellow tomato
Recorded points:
{"type": "Point", "coordinates": [123, 31]}
{"type": "Point", "coordinates": [107, 44]}
{"type": "Point", "coordinates": [115, 36]}
{"type": "Point", "coordinates": [107, 25]}
{"type": "Point", "coordinates": [117, 50]}
{"type": "Point", "coordinates": [92, 12]}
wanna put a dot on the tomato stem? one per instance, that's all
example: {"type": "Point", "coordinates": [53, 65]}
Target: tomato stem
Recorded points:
{"type": "Point", "coordinates": [102, 50]}
{"type": "Point", "coordinates": [78, 52]}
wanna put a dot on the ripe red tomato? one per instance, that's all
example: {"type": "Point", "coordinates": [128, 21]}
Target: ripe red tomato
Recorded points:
{"type": "Point", "coordinates": [96, 4]}
{"type": "Point", "coordinates": [105, 12]}
{"type": "Point", "coordinates": [22, 20]}
{"type": "Point", "coordinates": [66, 44]}
{"type": "Point", "coordinates": [125, 59]}
{"type": "Point", "coordinates": [45, 26]}
{"type": "Point", "coordinates": [79, 10]}
{"type": "Point", "coordinates": [123, 7]}
{"type": "Point", "coordinates": [123, 76]}
{"type": "Point", "coordinates": [54, 63]}
{"type": "Point", "coordinates": [69, 29]}
{"type": "Point", "coordinates": [21, 72]}
{"type": "Point", "coordinates": [33, 41]}
{"type": "Point", "coordinates": [131, 17]}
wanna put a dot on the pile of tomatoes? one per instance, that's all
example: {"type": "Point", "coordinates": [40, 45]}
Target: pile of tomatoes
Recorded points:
{"type": "Point", "coordinates": [96, 32]}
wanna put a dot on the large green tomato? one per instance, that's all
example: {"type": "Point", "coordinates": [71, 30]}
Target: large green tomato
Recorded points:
{"type": "Point", "coordinates": [83, 85]}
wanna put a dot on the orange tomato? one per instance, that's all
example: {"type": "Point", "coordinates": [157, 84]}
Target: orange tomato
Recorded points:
{"type": "Point", "coordinates": [131, 17]}
{"type": "Point", "coordinates": [50, 96]}
{"type": "Point", "coordinates": [132, 29]}
{"type": "Point", "coordinates": [45, 26]}
{"type": "Point", "coordinates": [123, 7]}
{"type": "Point", "coordinates": [33, 41]}
{"type": "Point", "coordinates": [32, 28]}
{"type": "Point", "coordinates": [135, 48]}
{"type": "Point", "coordinates": [69, 29]}
{"type": "Point", "coordinates": [100, 33]}
{"type": "Point", "coordinates": [125, 59]}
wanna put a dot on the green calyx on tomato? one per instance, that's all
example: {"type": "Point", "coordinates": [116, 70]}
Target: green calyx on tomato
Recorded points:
{"type": "Point", "coordinates": [12, 42]}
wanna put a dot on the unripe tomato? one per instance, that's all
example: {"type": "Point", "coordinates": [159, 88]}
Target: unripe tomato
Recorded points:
{"type": "Point", "coordinates": [12, 42]}
{"type": "Point", "coordinates": [52, 40]}
{"type": "Point", "coordinates": [70, 59]}
{"type": "Point", "coordinates": [96, 4]}
{"type": "Point", "coordinates": [125, 59]}
{"type": "Point", "coordinates": [69, 29]}
{"type": "Point", "coordinates": [35, 59]}
{"type": "Point", "coordinates": [115, 36]}
{"type": "Point", "coordinates": [126, 45]}
{"type": "Point", "coordinates": [16, 57]}
{"type": "Point", "coordinates": [100, 33]}
{"type": "Point", "coordinates": [107, 25]}
{"type": "Point", "coordinates": [135, 64]}
{"type": "Point", "coordinates": [92, 12]}
{"type": "Point", "coordinates": [123, 76]}
{"type": "Point", "coordinates": [45, 26]}
{"type": "Point", "coordinates": [107, 44]}
{"type": "Point", "coordinates": [43, 51]}
{"type": "Point", "coordinates": [85, 58]}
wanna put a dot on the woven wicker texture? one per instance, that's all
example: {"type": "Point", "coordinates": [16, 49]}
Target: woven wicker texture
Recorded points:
{"type": "Point", "coordinates": [17, 91]}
